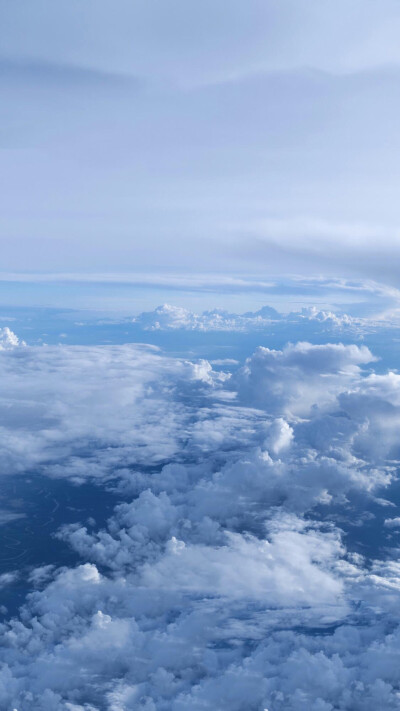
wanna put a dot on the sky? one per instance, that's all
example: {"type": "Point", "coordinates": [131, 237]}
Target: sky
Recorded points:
{"type": "Point", "coordinates": [199, 370]}
{"type": "Point", "coordinates": [256, 138]}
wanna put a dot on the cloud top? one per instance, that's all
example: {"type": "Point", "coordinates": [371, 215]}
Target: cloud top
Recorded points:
{"type": "Point", "coordinates": [223, 577]}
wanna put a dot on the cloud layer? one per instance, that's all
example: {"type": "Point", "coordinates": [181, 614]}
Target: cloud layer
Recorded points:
{"type": "Point", "coordinates": [223, 578]}
{"type": "Point", "coordinates": [261, 140]}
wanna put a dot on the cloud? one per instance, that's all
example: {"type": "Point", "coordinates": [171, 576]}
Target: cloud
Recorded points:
{"type": "Point", "coordinates": [299, 377]}
{"type": "Point", "coordinates": [279, 572]}
{"type": "Point", "coordinates": [59, 402]}
{"type": "Point", "coordinates": [169, 317]}
{"type": "Point", "coordinates": [392, 522]}
{"type": "Point", "coordinates": [185, 43]}
{"type": "Point", "coordinates": [216, 581]}
{"type": "Point", "coordinates": [200, 172]}
{"type": "Point", "coordinates": [8, 339]}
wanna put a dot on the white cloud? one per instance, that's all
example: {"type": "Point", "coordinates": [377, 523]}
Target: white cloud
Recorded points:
{"type": "Point", "coordinates": [111, 401]}
{"type": "Point", "coordinates": [280, 436]}
{"type": "Point", "coordinates": [213, 584]}
{"type": "Point", "coordinates": [8, 339]}
{"type": "Point", "coordinates": [299, 377]}
{"type": "Point", "coordinates": [169, 317]}
{"type": "Point", "coordinates": [279, 572]}
{"type": "Point", "coordinates": [392, 522]}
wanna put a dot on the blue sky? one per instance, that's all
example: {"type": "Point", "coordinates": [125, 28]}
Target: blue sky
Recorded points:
{"type": "Point", "coordinates": [199, 371]}
{"type": "Point", "coordinates": [185, 137]}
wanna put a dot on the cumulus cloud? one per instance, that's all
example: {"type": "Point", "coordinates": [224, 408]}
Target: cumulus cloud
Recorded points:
{"type": "Point", "coordinates": [168, 317]}
{"type": "Point", "coordinates": [392, 522]}
{"type": "Point", "coordinates": [216, 582]}
{"type": "Point", "coordinates": [57, 403]}
{"type": "Point", "coordinates": [299, 377]}
{"type": "Point", "coordinates": [8, 339]}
